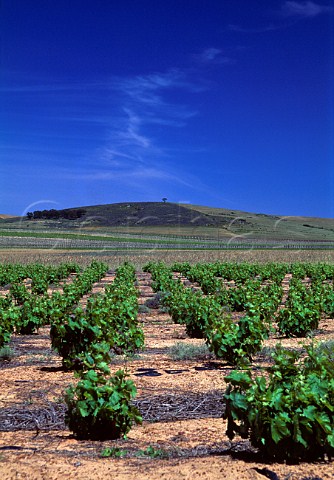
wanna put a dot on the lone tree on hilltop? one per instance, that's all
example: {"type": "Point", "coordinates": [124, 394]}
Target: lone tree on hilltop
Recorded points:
{"type": "Point", "coordinates": [164, 199]}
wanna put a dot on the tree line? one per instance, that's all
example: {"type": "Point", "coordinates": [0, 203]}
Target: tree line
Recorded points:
{"type": "Point", "coordinates": [53, 214]}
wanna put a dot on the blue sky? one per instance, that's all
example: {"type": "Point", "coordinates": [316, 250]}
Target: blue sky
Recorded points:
{"type": "Point", "coordinates": [227, 103]}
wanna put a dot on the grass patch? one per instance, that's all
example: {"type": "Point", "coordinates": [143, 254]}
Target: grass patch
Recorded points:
{"type": "Point", "coordinates": [6, 353]}
{"type": "Point", "coordinates": [143, 309]}
{"type": "Point", "coordinates": [188, 351]}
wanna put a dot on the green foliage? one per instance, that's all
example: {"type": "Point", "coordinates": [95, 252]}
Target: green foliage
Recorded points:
{"type": "Point", "coordinates": [327, 295]}
{"type": "Point", "coordinates": [302, 312]}
{"type": "Point", "coordinates": [19, 293]}
{"type": "Point", "coordinates": [326, 350]}
{"type": "Point", "coordinates": [125, 273]}
{"type": "Point", "coordinates": [181, 267]}
{"type": "Point", "coordinates": [264, 302]}
{"type": "Point", "coordinates": [116, 312]}
{"type": "Point", "coordinates": [162, 276]}
{"type": "Point", "coordinates": [122, 327]}
{"type": "Point", "coordinates": [5, 302]}
{"type": "Point", "coordinates": [236, 342]}
{"type": "Point", "coordinates": [8, 319]}
{"type": "Point", "coordinates": [99, 406]}
{"type": "Point", "coordinates": [33, 315]}
{"type": "Point", "coordinates": [239, 295]}
{"type": "Point", "coordinates": [111, 316]}
{"type": "Point", "coordinates": [290, 416]}
{"type": "Point", "coordinates": [71, 332]}
{"type": "Point", "coordinates": [72, 336]}
{"type": "Point", "coordinates": [152, 452]}
{"type": "Point", "coordinates": [5, 333]}
{"type": "Point", "coordinates": [115, 452]}
{"type": "Point", "coordinates": [22, 310]}
{"type": "Point", "coordinates": [192, 309]}
{"type": "Point", "coordinates": [40, 278]}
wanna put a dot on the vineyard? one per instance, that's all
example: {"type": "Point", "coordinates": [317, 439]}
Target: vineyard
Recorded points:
{"type": "Point", "coordinates": [175, 370]}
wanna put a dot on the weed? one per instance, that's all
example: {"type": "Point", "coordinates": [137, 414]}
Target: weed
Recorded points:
{"type": "Point", "coordinates": [152, 452]}
{"type": "Point", "coordinates": [179, 335]}
{"type": "Point", "coordinates": [267, 351]}
{"type": "Point", "coordinates": [113, 452]}
{"type": "Point", "coordinates": [143, 309]}
{"type": "Point", "coordinates": [132, 356]}
{"type": "Point", "coordinates": [59, 400]}
{"type": "Point", "coordinates": [187, 351]}
{"type": "Point", "coordinates": [6, 353]}
{"type": "Point", "coordinates": [156, 301]}
{"type": "Point", "coordinates": [33, 358]}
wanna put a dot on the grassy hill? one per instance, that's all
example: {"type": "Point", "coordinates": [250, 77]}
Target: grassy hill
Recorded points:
{"type": "Point", "coordinates": [4, 216]}
{"type": "Point", "coordinates": [260, 225]}
{"type": "Point", "coordinates": [180, 220]}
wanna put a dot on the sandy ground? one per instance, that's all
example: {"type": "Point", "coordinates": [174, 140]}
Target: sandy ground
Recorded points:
{"type": "Point", "coordinates": [182, 436]}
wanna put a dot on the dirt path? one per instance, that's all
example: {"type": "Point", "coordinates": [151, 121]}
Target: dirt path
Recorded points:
{"type": "Point", "coordinates": [182, 436]}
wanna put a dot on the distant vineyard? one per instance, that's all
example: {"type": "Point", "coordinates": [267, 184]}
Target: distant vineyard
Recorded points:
{"type": "Point", "coordinates": [68, 241]}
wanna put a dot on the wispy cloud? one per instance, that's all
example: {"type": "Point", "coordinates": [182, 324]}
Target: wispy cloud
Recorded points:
{"type": "Point", "coordinates": [212, 55]}
{"type": "Point", "coordinates": [134, 152]}
{"type": "Point", "coordinates": [305, 9]}
{"type": "Point", "coordinates": [145, 89]}
{"type": "Point", "coordinates": [126, 121]}
{"type": "Point", "coordinates": [146, 92]}
{"type": "Point", "coordinates": [291, 11]}
{"type": "Point", "coordinates": [266, 28]}
{"type": "Point", "coordinates": [131, 139]}
{"type": "Point", "coordinates": [44, 87]}
{"type": "Point", "coordinates": [131, 136]}
{"type": "Point", "coordinates": [139, 175]}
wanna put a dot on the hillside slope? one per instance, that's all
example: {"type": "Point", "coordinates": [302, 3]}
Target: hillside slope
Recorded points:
{"type": "Point", "coordinates": [160, 218]}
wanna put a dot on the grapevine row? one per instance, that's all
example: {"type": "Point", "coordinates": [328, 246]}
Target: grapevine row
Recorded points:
{"type": "Point", "coordinates": [288, 414]}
